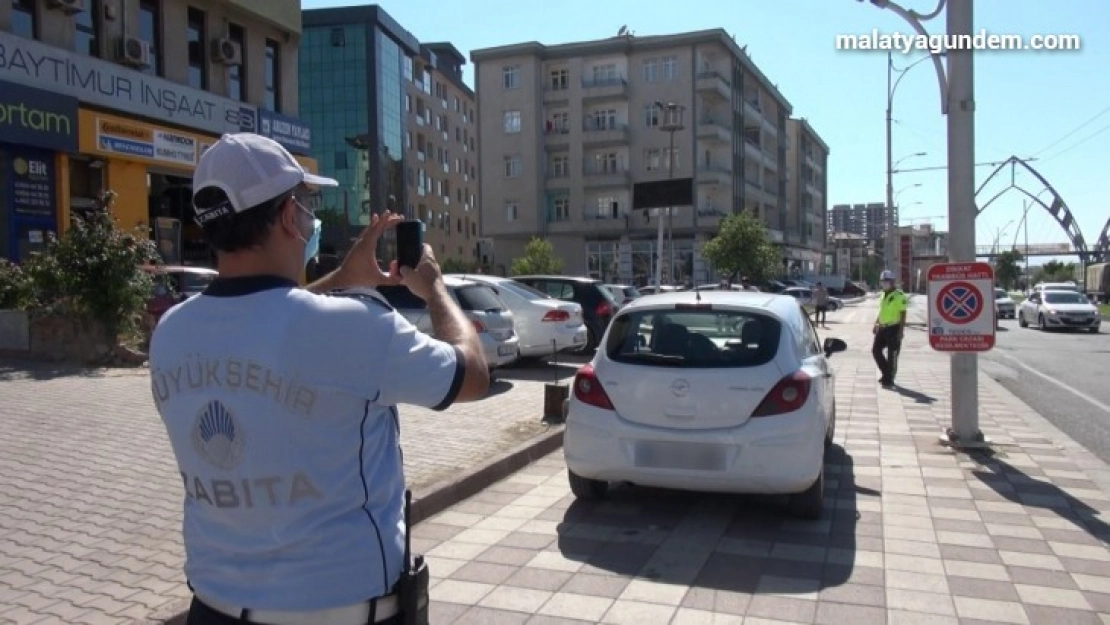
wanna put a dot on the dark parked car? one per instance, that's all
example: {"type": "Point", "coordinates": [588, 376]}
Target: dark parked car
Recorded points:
{"type": "Point", "coordinates": [174, 284]}
{"type": "Point", "coordinates": [598, 303]}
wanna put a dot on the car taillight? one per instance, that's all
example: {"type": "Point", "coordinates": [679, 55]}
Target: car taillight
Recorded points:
{"type": "Point", "coordinates": [788, 395]}
{"type": "Point", "coordinates": [479, 327]}
{"type": "Point", "coordinates": [588, 390]}
{"type": "Point", "coordinates": [556, 316]}
{"type": "Point", "coordinates": [604, 309]}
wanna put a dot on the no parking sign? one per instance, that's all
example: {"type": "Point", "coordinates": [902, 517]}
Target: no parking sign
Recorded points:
{"type": "Point", "coordinates": [961, 307]}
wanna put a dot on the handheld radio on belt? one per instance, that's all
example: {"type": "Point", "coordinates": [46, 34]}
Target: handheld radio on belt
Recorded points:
{"type": "Point", "coordinates": [412, 588]}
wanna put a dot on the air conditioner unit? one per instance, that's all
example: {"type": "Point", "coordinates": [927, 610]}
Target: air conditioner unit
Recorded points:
{"type": "Point", "coordinates": [69, 7]}
{"type": "Point", "coordinates": [227, 51]}
{"type": "Point", "coordinates": [134, 52]}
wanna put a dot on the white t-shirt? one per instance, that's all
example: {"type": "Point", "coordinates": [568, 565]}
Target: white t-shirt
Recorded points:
{"type": "Point", "coordinates": [280, 405]}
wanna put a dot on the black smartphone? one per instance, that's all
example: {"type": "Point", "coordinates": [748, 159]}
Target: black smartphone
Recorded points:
{"type": "Point", "coordinates": [410, 242]}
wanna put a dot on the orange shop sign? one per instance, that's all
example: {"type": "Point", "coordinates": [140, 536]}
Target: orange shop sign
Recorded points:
{"type": "Point", "coordinates": [118, 137]}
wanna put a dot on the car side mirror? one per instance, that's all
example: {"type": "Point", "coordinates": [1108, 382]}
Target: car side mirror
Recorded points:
{"type": "Point", "coordinates": [833, 346]}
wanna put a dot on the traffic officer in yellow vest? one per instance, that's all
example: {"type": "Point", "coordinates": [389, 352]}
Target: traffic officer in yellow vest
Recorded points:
{"type": "Point", "coordinates": [889, 328]}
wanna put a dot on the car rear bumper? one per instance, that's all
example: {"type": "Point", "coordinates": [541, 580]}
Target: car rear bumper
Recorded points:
{"type": "Point", "coordinates": [500, 353]}
{"type": "Point", "coordinates": [768, 455]}
{"type": "Point", "coordinates": [564, 338]}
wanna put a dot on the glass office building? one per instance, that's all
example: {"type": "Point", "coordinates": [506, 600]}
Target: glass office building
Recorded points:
{"type": "Point", "coordinates": [352, 90]}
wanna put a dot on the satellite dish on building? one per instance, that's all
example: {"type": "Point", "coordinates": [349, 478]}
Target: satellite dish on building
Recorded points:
{"type": "Point", "coordinates": [623, 31]}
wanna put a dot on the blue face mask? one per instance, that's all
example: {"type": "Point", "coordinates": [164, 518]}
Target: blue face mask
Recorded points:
{"type": "Point", "coordinates": [312, 245]}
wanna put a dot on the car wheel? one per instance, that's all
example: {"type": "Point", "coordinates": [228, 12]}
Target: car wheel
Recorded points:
{"type": "Point", "coordinates": [1042, 323]}
{"type": "Point", "coordinates": [1021, 321]}
{"type": "Point", "coordinates": [591, 339]}
{"type": "Point", "coordinates": [585, 488]}
{"type": "Point", "coordinates": [810, 503]}
{"type": "Point", "coordinates": [1093, 330]}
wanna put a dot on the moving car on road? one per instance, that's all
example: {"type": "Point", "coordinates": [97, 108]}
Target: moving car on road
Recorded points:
{"type": "Point", "coordinates": [805, 298]}
{"type": "Point", "coordinates": [544, 325]}
{"type": "Point", "coordinates": [1059, 309]}
{"type": "Point", "coordinates": [712, 391]}
{"type": "Point", "coordinates": [1004, 305]}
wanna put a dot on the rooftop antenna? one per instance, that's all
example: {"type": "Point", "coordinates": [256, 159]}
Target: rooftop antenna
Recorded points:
{"type": "Point", "coordinates": [623, 31]}
{"type": "Point", "coordinates": [697, 296]}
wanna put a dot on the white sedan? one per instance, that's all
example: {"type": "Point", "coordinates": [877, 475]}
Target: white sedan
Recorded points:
{"type": "Point", "coordinates": [544, 325]}
{"type": "Point", "coordinates": [713, 391]}
{"type": "Point", "coordinates": [1059, 309]}
{"type": "Point", "coordinates": [805, 298]}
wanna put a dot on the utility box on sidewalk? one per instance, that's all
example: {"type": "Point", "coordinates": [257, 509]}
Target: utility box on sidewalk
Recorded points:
{"type": "Point", "coordinates": [961, 307]}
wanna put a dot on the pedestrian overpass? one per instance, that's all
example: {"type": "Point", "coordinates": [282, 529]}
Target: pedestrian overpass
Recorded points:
{"type": "Point", "coordinates": [1077, 244]}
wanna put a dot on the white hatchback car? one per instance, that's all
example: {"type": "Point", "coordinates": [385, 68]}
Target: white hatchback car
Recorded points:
{"type": "Point", "coordinates": [714, 391]}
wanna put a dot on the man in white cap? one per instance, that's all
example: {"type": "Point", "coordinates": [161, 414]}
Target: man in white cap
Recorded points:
{"type": "Point", "coordinates": [280, 403]}
{"type": "Point", "coordinates": [889, 328]}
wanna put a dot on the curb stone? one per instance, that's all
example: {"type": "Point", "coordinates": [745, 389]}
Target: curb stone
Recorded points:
{"type": "Point", "coordinates": [431, 500]}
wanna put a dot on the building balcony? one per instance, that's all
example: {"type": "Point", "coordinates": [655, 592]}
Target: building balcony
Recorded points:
{"type": "Point", "coordinates": [713, 131]}
{"type": "Point", "coordinates": [557, 180]}
{"type": "Point", "coordinates": [607, 177]}
{"type": "Point", "coordinates": [557, 139]}
{"type": "Point", "coordinates": [752, 111]}
{"type": "Point", "coordinates": [553, 96]}
{"type": "Point", "coordinates": [714, 84]}
{"type": "Point", "coordinates": [718, 175]}
{"type": "Point", "coordinates": [615, 88]}
{"type": "Point", "coordinates": [596, 136]}
{"type": "Point", "coordinates": [753, 151]}
{"type": "Point", "coordinates": [595, 222]}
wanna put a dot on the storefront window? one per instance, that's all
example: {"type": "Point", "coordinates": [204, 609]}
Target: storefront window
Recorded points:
{"type": "Point", "coordinates": [24, 23]}
{"type": "Point", "coordinates": [236, 74]}
{"type": "Point", "coordinates": [150, 30]}
{"type": "Point", "coordinates": [273, 87]}
{"type": "Point", "coordinates": [86, 37]}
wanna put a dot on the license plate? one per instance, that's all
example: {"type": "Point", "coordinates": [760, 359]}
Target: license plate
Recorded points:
{"type": "Point", "coordinates": [683, 456]}
{"type": "Point", "coordinates": [506, 350]}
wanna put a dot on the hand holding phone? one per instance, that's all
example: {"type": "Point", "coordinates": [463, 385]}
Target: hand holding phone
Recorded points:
{"type": "Point", "coordinates": [410, 243]}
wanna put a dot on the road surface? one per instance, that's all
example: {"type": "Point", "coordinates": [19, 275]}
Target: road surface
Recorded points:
{"type": "Point", "coordinates": [1064, 376]}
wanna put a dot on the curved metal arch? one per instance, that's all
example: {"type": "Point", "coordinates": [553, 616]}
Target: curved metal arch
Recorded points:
{"type": "Point", "coordinates": [1102, 248]}
{"type": "Point", "coordinates": [1058, 209]}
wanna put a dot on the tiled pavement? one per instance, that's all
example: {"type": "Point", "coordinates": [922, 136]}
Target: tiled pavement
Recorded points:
{"type": "Point", "coordinates": [90, 497]}
{"type": "Point", "coordinates": [913, 533]}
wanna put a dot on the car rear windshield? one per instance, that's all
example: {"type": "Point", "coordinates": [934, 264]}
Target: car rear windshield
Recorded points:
{"type": "Point", "coordinates": [194, 282]}
{"type": "Point", "coordinates": [478, 298]}
{"type": "Point", "coordinates": [702, 339]}
{"type": "Point", "coordinates": [523, 290]}
{"type": "Point", "coordinates": [1066, 297]}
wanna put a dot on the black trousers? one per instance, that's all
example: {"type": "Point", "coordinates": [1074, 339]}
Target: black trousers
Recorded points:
{"type": "Point", "coordinates": [819, 313]}
{"type": "Point", "coordinates": [887, 339]}
{"type": "Point", "coordinates": [201, 614]}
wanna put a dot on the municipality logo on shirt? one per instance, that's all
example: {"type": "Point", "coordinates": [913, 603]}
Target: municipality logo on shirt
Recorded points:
{"type": "Point", "coordinates": [218, 437]}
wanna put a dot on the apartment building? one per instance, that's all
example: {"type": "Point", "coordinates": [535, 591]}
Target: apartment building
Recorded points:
{"type": "Point", "coordinates": [393, 122]}
{"type": "Point", "coordinates": [869, 221]}
{"type": "Point", "coordinates": [125, 95]}
{"type": "Point", "coordinates": [567, 130]}
{"type": "Point", "coordinates": [806, 199]}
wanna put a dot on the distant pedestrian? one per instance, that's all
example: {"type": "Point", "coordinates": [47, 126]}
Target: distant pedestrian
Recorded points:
{"type": "Point", "coordinates": [889, 329]}
{"type": "Point", "coordinates": [746, 284]}
{"type": "Point", "coordinates": [820, 304]}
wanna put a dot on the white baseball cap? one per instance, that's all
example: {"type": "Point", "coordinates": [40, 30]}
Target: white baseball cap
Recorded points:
{"type": "Point", "coordinates": [250, 169]}
{"type": "Point", "coordinates": [887, 275]}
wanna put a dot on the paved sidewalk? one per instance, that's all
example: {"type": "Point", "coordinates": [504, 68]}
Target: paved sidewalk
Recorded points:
{"type": "Point", "coordinates": [90, 498]}
{"type": "Point", "coordinates": [914, 533]}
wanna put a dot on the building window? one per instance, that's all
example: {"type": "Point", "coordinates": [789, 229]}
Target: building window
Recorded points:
{"type": "Point", "coordinates": [604, 120]}
{"type": "Point", "coordinates": [408, 68]}
{"type": "Point", "coordinates": [512, 210]}
{"type": "Point", "coordinates": [24, 22]}
{"type": "Point", "coordinates": [652, 159]}
{"type": "Point", "coordinates": [513, 165]}
{"type": "Point", "coordinates": [670, 155]}
{"type": "Point", "coordinates": [510, 77]}
{"type": "Point", "coordinates": [86, 38]}
{"type": "Point", "coordinates": [559, 123]}
{"type": "Point", "coordinates": [608, 207]}
{"type": "Point", "coordinates": [511, 121]}
{"type": "Point", "coordinates": [150, 31]}
{"type": "Point", "coordinates": [651, 116]}
{"type": "Point", "coordinates": [670, 63]}
{"type": "Point", "coordinates": [607, 163]}
{"type": "Point", "coordinates": [273, 82]}
{"type": "Point", "coordinates": [560, 166]}
{"type": "Point", "coordinates": [196, 36]}
{"type": "Point", "coordinates": [237, 74]}
{"type": "Point", "coordinates": [560, 209]}
{"type": "Point", "coordinates": [605, 74]}
{"type": "Point", "coordinates": [651, 70]}
{"type": "Point", "coordinates": [560, 80]}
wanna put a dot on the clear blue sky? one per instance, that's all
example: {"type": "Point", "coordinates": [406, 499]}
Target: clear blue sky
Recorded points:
{"type": "Point", "coordinates": [1026, 101]}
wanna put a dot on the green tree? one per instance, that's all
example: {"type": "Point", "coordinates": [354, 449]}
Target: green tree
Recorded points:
{"type": "Point", "coordinates": [1007, 269]}
{"type": "Point", "coordinates": [1054, 271]}
{"type": "Point", "coordinates": [539, 258]}
{"type": "Point", "coordinates": [95, 270]}
{"type": "Point", "coordinates": [454, 265]}
{"type": "Point", "coordinates": [742, 248]}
